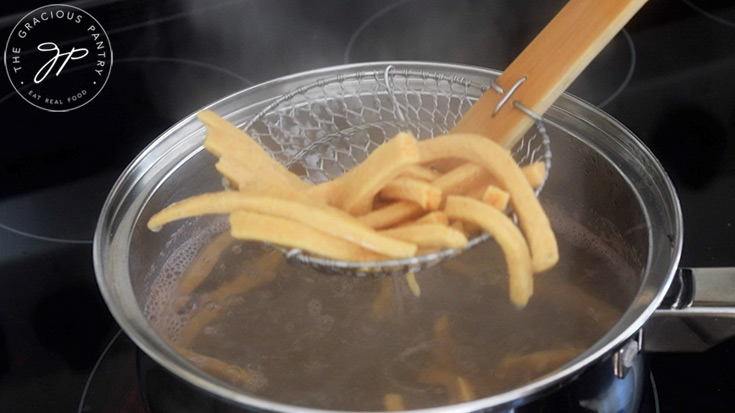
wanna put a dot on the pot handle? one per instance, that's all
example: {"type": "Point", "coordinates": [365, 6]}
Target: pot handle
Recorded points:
{"type": "Point", "coordinates": [697, 312]}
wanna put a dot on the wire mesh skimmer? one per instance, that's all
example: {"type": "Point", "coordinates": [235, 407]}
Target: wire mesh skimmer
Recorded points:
{"type": "Point", "coordinates": [323, 129]}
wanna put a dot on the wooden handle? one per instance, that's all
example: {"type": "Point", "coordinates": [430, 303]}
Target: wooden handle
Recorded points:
{"type": "Point", "coordinates": [550, 63]}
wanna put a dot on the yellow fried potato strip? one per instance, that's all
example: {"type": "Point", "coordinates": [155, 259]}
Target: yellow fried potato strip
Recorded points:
{"type": "Point", "coordinates": [445, 372]}
{"type": "Point", "coordinates": [225, 140]}
{"type": "Point", "coordinates": [248, 181]}
{"type": "Point", "coordinates": [391, 215]}
{"type": "Point", "coordinates": [428, 235]}
{"type": "Point", "coordinates": [534, 173]}
{"type": "Point", "coordinates": [393, 402]}
{"type": "Point", "coordinates": [413, 284]}
{"type": "Point", "coordinates": [459, 226]}
{"type": "Point", "coordinates": [210, 303]}
{"type": "Point", "coordinates": [354, 191]}
{"type": "Point", "coordinates": [322, 217]}
{"type": "Point", "coordinates": [203, 263]}
{"type": "Point", "coordinates": [292, 234]}
{"type": "Point", "coordinates": [420, 172]}
{"type": "Point", "coordinates": [508, 236]}
{"type": "Point", "coordinates": [495, 197]}
{"type": "Point", "coordinates": [464, 390]}
{"type": "Point", "coordinates": [434, 217]}
{"type": "Point", "coordinates": [443, 343]}
{"type": "Point", "coordinates": [233, 374]}
{"type": "Point", "coordinates": [523, 367]}
{"type": "Point", "coordinates": [503, 168]}
{"type": "Point", "coordinates": [459, 388]}
{"type": "Point", "coordinates": [457, 181]}
{"type": "Point", "coordinates": [462, 179]}
{"type": "Point", "coordinates": [383, 302]}
{"type": "Point", "coordinates": [419, 192]}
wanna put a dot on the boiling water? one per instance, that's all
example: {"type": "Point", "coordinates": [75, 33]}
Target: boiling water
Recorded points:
{"type": "Point", "coordinates": [297, 336]}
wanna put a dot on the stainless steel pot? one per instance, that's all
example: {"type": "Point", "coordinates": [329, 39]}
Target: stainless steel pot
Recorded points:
{"type": "Point", "coordinates": [605, 184]}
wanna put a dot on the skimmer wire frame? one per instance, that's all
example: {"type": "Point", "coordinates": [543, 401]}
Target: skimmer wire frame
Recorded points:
{"type": "Point", "coordinates": [321, 130]}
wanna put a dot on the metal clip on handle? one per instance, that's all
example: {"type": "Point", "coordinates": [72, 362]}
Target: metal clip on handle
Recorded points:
{"type": "Point", "coordinates": [506, 97]}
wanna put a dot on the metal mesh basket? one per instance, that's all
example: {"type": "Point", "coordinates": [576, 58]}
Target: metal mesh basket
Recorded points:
{"type": "Point", "coordinates": [321, 130]}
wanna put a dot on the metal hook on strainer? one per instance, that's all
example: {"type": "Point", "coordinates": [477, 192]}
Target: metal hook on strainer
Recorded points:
{"type": "Point", "coordinates": [325, 128]}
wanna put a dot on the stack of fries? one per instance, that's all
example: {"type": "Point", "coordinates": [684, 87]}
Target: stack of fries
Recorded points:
{"type": "Point", "coordinates": [407, 198]}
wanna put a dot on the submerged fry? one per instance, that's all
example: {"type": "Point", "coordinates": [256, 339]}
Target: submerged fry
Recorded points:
{"type": "Point", "coordinates": [519, 367]}
{"type": "Point", "coordinates": [413, 285]}
{"type": "Point", "coordinates": [508, 236]}
{"type": "Point", "coordinates": [211, 302]}
{"type": "Point", "coordinates": [218, 368]}
{"type": "Point", "coordinates": [459, 388]}
{"type": "Point", "coordinates": [443, 343]}
{"type": "Point", "coordinates": [203, 263]}
{"type": "Point", "coordinates": [383, 302]}
{"type": "Point", "coordinates": [393, 402]}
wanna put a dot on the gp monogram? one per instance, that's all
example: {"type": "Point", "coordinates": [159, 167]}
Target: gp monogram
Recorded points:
{"type": "Point", "coordinates": [58, 57]}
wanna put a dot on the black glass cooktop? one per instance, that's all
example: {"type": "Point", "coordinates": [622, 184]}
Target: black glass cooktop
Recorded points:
{"type": "Point", "coordinates": [668, 77]}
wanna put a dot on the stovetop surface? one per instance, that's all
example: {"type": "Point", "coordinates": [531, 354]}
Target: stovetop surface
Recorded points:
{"type": "Point", "coordinates": [667, 77]}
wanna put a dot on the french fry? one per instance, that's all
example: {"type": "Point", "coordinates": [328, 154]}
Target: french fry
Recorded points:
{"type": "Point", "coordinates": [413, 285]}
{"type": "Point", "coordinates": [354, 191]}
{"type": "Point", "coordinates": [443, 343]}
{"type": "Point", "coordinates": [495, 197]}
{"type": "Point", "coordinates": [203, 263]}
{"type": "Point", "coordinates": [391, 215]}
{"type": "Point", "coordinates": [321, 217]}
{"type": "Point", "coordinates": [469, 229]}
{"type": "Point", "coordinates": [420, 172]}
{"type": "Point", "coordinates": [519, 367]}
{"type": "Point", "coordinates": [508, 236]}
{"type": "Point", "coordinates": [291, 234]}
{"type": "Point", "coordinates": [444, 165]}
{"type": "Point", "coordinates": [475, 193]}
{"type": "Point", "coordinates": [445, 372]}
{"type": "Point", "coordinates": [534, 173]}
{"type": "Point", "coordinates": [383, 303]}
{"type": "Point", "coordinates": [462, 179]}
{"type": "Point", "coordinates": [434, 217]}
{"type": "Point", "coordinates": [459, 388]}
{"type": "Point", "coordinates": [428, 235]}
{"type": "Point", "coordinates": [234, 374]}
{"type": "Point", "coordinates": [225, 140]}
{"type": "Point", "coordinates": [393, 402]}
{"type": "Point", "coordinates": [264, 271]}
{"type": "Point", "coordinates": [459, 226]}
{"type": "Point", "coordinates": [422, 193]}
{"type": "Point", "coordinates": [497, 161]}
{"type": "Point", "coordinates": [463, 389]}
{"type": "Point", "coordinates": [247, 181]}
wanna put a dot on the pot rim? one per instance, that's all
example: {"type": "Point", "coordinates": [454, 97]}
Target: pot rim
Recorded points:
{"type": "Point", "coordinates": [137, 328]}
